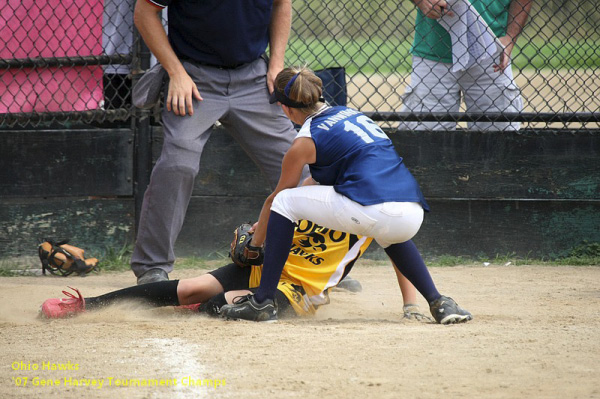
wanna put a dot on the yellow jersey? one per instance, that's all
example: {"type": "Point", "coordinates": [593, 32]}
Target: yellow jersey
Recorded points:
{"type": "Point", "coordinates": [319, 258]}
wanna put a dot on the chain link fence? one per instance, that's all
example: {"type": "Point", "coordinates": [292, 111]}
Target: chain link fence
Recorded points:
{"type": "Point", "coordinates": [74, 61]}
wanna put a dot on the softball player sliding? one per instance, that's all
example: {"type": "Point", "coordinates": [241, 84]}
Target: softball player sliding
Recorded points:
{"type": "Point", "coordinates": [319, 259]}
{"type": "Point", "coordinates": [363, 188]}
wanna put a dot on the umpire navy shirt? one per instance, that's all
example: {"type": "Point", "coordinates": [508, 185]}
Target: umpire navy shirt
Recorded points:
{"type": "Point", "coordinates": [218, 32]}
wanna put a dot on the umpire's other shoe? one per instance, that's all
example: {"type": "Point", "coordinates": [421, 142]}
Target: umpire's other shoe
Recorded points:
{"type": "Point", "coordinates": [446, 311]}
{"type": "Point", "coordinates": [246, 308]}
{"type": "Point", "coordinates": [153, 276]}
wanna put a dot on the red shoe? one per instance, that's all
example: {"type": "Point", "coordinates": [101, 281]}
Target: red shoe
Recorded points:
{"type": "Point", "coordinates": [64, 307]}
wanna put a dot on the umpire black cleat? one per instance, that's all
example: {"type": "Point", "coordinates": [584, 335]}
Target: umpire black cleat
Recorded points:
{"type": "Point", "coordinates": [446, 311]}
{"type": "Point", "coordinates": [153, 276]}
{"type": "Point", "coordinates": [246, 308]}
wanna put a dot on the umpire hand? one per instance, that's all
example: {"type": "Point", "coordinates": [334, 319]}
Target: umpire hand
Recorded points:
{"type": "Point", "coordinates": [182, 91]}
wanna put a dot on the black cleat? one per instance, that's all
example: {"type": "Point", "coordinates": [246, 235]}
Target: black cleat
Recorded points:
{"type": "Point", "coordinates": [153, 276]}
{"type": "Point", "coordinates": [446, 311]}
{"type": "Point", "coordinates": [246, 308]}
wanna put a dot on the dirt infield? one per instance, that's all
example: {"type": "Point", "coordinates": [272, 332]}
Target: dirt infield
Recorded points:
{"type": "Point", "coordinates": [536, 334]}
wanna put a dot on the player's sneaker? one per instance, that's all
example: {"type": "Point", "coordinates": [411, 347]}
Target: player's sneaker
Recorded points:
{"type": "Point", "coordinates": [246, 308]}
{"type": "Point", "coordinates": [446, 311]}
{"type": "Point", "coordinates": [58, 308]}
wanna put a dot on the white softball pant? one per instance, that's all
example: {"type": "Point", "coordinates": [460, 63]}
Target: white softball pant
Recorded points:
{"type": "Point", "coordinates": [388, 223]}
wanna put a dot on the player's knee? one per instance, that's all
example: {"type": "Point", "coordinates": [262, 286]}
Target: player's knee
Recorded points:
{"type": "Point", "coordinates": [282, 204]}
{"type": "Point", "coordinates": [179, 159]}
{"type": "Point", "coordinates": [177, 169]}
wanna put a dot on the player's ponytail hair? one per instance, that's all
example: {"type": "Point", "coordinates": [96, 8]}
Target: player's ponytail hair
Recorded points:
{"type": "Point", "coordinates": [306, 89]}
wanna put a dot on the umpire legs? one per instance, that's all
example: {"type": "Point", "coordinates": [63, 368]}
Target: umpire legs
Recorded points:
{"type": "Point", "coordinates": [167, 196]}
{"type": "Point", "coordinates": [235, 98]}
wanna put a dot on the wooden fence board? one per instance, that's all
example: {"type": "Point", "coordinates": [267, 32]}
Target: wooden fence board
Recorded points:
{"type": "Point", "coordinates": [489, 165]}
{"type": "Point", "coordinates": [494, 165]}
{"type": "Point", "coordinates": [486, 228]}
{"type": "Point", "coordinates": [65, 163]}
{"type": "Point", "coordinates": [93, 224]}
{"type": "Point", "coordinates": [532, 193]}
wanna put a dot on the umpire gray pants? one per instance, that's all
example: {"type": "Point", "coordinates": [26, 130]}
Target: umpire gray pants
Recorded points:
{"type": "Point", "coordinates": [239, 99]}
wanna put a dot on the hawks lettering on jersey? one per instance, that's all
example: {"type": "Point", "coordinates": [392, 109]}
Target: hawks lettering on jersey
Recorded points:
{"type": "Point", "coordinates": [314, 241]}
{"type": "Point", "coordinates": [318, 259]}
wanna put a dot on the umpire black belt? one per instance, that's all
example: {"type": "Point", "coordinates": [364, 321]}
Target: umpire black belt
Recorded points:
{"type": "Point", "coordinates": [234, 66]}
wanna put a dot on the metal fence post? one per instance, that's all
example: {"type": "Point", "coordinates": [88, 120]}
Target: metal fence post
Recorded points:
{"type": "Point", "coordinates": [141, 130]}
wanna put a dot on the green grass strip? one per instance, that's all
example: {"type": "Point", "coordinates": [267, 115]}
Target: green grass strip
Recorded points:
{"type": "Point", "coordinates": [389, 55]}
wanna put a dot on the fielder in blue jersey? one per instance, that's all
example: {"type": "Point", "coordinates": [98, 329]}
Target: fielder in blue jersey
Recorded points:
{"type": "Point", "coordinates": [358, 185]}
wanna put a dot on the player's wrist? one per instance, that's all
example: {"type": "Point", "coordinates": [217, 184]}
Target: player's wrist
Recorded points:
{"type": "Point", "coordinates": [254, 245]}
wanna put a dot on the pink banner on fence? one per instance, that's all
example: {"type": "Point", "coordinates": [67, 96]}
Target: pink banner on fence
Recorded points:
{"type": "Point", "coordinates": [50, 28]}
